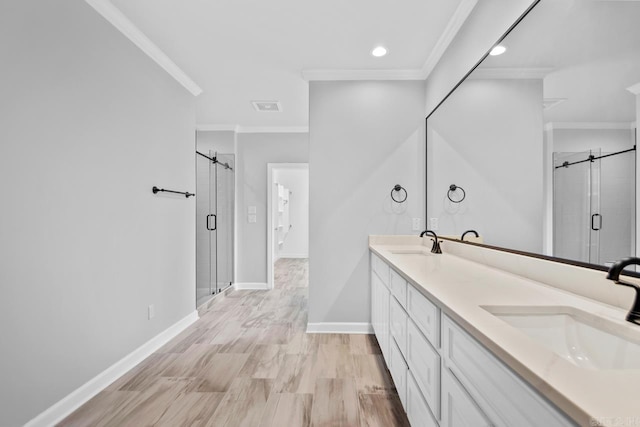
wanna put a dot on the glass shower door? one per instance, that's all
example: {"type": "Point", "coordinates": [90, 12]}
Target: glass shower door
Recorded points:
{"type": "Point", "coordinates": [204, 288]}
{"type": "Point", "coordinates": [572, 204]}
{"type": "Point", "coordinates": [215, 224]}
{"type": "Point", "coordinates": [225, 220]}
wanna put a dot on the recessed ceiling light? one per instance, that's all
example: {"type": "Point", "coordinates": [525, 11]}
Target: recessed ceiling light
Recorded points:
{"type": "Point", "coordinates": [379, 51]}
{"type": "Point", "coordinates": [498, 50]}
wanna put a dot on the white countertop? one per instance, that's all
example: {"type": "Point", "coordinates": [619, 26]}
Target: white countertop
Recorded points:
{"type": "Point", "coordinates": [461, 287]}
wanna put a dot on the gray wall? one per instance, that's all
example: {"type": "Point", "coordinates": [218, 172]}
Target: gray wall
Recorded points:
{"type": "Point", "coordinates": [254, 151]}
{"type": "Point", "coordinates": [88, 125]}
{"type": "Point", "coordinates": [220, 141]}
{"type": "Point", "coordinates": [484, 26]}
{"type": "Point", "coordinates": [365, 137]}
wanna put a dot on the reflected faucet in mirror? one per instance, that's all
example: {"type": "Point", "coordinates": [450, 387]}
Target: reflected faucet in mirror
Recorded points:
{"type": "Point", "coordinates": [467, 232]}
{"type": "Point", "coordinates": [614, 274]}
{"type": "Point", "coordinates": [435, 249]}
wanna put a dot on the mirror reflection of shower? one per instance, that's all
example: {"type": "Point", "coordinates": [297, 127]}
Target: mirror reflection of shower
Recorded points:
{"type": "Point", "coordinates": [594, 196]}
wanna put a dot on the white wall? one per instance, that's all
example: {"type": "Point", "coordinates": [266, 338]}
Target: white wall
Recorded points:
{"type": "Point", "coordinates": [487, 138]}
{"type": "Point", "coordinates": [296, 244]}
{"type": "Point", "coordinates": [254, 151]}
{"type": "Point", "coordinates": [365, 137]}
{"type": "Point", "coordinates": [88, 125]}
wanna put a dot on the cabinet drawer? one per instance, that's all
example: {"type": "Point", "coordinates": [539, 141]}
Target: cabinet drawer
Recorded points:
{"type": "Point", "coordinates": [398, 325]}
{"type": "Point", "coordinates": [425, 314]}
{"type": "Point", "coordinates": [398, 369]}
{"type": "Point", "coordinates": [398, 288]}
{"type": "Point", "coordinates": [503, 396]}
{"type": "Point", "coordinates": [424, 362]}
{"type": "Point", "coordinates": [458, 409]}
{"type": "Point", "coordinates": [417, 409]}
{"type": "Point", "coordinates": [380, 268]}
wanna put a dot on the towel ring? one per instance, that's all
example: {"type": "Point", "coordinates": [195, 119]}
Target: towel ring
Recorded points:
{"type": "Point", "coordinates": [452, 189]}
{"type": "Point", "coordinates": [398, 188]}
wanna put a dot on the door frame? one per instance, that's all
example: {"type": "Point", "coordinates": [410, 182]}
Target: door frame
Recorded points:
{"type": "Point", "coordinates": [270, 225]}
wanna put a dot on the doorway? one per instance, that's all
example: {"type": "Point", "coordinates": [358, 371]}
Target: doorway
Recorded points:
{"type": "Point", "coordinates": [214, 224]}
{"type": "Point", "coordinates": [287, 214]}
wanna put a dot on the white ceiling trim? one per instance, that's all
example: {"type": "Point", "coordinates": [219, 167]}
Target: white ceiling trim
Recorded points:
{"type": "Point", "coordinates": [591, 125]}
{"type": "Point", "coordinates": [333, 75]}
{"type": "Point", "coordinates": [252, 129]}
{"type": "Point", "coordinates": [459, 17]}
{"type": "Point", "coordinates": [635, 89]}
{"type": "Point", "coordinates": [133, 33]}
{"type": "Point", "coordinates": [217, 128]}
{"type": "Point", "coordinates": [509, 73]}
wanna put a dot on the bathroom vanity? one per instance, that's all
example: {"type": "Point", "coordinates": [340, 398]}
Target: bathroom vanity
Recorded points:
{"type": "Point", "coordinates": [480, 337]}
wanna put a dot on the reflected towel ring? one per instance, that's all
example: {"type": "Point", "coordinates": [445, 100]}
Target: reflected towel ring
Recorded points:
{"type": "Point", "coordinates": [398, 188]}
{"type": "Point", "coordinates": [452, 189]}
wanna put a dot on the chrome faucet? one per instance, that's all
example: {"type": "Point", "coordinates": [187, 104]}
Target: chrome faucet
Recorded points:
{"type": "Point", "coordinates": [614, 274]}
{"type": "Point", "coordinates": [435, 249]}
{"type": "Point", "coordinates": [467, 232]}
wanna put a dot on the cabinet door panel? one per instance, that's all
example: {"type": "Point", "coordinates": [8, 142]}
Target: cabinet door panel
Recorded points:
{"type": "Point", "coordinates": [458, 409]}
{"type": "Point", "coordinates": [424, 362]}
{"type": "Point", "coordinates": [398, 369]}
{"type": "Point", "coordinates": [398, 325]}
{"type": "Point", "coordinates": [417, 409]}
{"type": "Point", "coordinates": [425, 314]}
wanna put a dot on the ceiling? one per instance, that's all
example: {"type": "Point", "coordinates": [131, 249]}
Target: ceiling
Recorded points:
{"type": "Point", "coordinates": [242, 50]}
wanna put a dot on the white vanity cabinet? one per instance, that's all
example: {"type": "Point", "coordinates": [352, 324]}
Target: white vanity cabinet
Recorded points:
{"type": "Point", "coordinates": [444, 377]}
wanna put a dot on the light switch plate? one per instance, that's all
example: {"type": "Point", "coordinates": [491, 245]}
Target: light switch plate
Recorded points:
{"type": "Point", "coordinates": [252, 219]}
{"type": "Point", "coordinates": [251, 210]}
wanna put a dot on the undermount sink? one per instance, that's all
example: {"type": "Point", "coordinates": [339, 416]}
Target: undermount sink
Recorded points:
{"type": "Point", "coordinates": [411, 252]}
{"type": "Point", "coordinates": [586, 340]}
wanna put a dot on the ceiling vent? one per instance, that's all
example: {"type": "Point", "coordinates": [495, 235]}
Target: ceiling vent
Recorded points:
{"type": "Point", "coordinates": [267, 106]}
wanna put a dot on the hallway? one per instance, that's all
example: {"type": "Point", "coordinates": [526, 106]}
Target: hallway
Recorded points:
{"type": "Point", "coordinates": [248, 362]}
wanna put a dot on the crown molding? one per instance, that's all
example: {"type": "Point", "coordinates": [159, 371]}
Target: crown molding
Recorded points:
{"type": "Point", "coordinates": [635, 89]}
{"type": "Point", "coordinates": [458, 19]}
{"type": "Point", "coordinates": [252, 129]}
{"type": "Point", "coordinates": [335, 75]}
{"type": "Point", "coordinates": [591, 125]}
{"type": "Point", "coordinates": [217, 128]}
{"type": "Point", "coordinates": [509, 73]}
{"type": "Point", "coordinates": [116, 18]}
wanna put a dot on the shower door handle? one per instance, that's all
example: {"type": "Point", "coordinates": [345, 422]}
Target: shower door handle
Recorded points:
{"type": "Point", "coordinates": [593, 226]}
{"type": "Point", "coordinates": [215, 222]}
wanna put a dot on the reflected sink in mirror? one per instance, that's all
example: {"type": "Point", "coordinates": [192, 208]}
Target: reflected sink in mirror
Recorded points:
{"type": "Point", "coordinates": [586, 340]}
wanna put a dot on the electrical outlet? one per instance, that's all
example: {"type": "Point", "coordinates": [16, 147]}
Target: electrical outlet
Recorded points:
{"type": "Point", "coordinates": [433, 224]}
{"type": "Point", "coordinates": [251, 210]}
{"type": "Point", "coordinates": [151, 311]}
{"type": "Point", "coordinates": [415, 224]}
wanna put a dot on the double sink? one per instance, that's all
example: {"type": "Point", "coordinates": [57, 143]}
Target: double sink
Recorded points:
{"type": "Point", "coordinates": [584, 339]}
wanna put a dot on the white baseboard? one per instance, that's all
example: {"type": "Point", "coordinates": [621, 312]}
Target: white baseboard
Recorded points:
{"type": "Point", "coordinates": [339, 328]}
{"type": "Point", "coordinates": [293, 256]}
{"type": "Point", "coordinates": [249, 286]}
{"type": "Point", "coordinates": [81, 395]}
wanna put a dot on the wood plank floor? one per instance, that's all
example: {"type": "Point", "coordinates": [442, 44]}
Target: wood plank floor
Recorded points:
{"type": "Point", "coordinates": [249, 362]}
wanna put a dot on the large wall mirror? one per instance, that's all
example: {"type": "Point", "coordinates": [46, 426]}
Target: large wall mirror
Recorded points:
{"type": "Point", "coordinates": [541, 137]}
